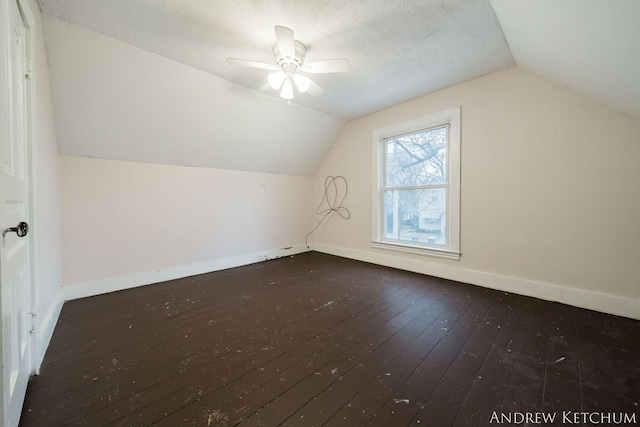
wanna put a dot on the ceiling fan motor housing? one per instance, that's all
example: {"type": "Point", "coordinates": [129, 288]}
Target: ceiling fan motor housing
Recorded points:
{"type": "Point", "coordinates": [290, 65]}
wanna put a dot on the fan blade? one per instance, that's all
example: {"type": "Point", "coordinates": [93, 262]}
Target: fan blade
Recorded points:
{"type": "Point", "coordinates": [286, 42]}
{"type": "Point", "coordinates": [314, 89]}
{"type": "Point", "coordinates": [327, 66]}
{"type": "Point", "coordinates": [253, 64]}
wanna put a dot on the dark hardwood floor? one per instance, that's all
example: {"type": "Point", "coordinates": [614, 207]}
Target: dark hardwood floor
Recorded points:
{"type": "Point", "coordinates": [316, 340]}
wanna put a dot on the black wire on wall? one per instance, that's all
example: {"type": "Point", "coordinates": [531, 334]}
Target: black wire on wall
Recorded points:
{"type": "Point", "coordinates": [334, 204]}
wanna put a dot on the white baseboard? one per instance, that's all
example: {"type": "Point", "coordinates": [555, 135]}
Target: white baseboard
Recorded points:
{"type": "Point", "coordinates": [605, 303]}
{"type": "Point", "coordinates": [576, 297]}
{"type": "Point", "coordinates": [46, 328]}
{"type": "Point", "coordinates": [112, 284]}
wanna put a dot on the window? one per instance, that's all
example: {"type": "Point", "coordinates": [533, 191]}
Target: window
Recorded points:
{"type": "Point", "coordinates": [417, 191]}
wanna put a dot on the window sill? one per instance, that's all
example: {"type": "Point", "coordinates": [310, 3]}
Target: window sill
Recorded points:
{"type": "Point", "coordinates": [419, 250]}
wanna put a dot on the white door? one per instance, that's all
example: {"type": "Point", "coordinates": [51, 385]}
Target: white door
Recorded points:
{"type": "Point", "coordinates": [15, 280]}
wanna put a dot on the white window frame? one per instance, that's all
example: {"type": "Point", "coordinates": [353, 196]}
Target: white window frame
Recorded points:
{"type": "Point", "coordinates": [450, 117]}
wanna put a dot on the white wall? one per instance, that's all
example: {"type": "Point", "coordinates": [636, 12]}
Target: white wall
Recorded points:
{"type": "Point", "coordinates": [127, 224]}
{"type": "Point", "coordinates": [46, 221]}
{"type": "Point", "coordinates": [550, 198]}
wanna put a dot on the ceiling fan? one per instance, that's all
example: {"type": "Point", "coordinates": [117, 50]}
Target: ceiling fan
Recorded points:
{"type": "Point", "coordinates": [289, 64]}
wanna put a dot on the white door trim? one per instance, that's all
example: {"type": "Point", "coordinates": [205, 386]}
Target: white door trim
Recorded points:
{"type": "Point", "coordinates": [27, 15]}
{"type": "Point", "coordinates": [10, 418]}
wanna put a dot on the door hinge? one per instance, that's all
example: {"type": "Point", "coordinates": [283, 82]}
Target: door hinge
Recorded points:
{"type": "Point", "coordinates": [33, 314]}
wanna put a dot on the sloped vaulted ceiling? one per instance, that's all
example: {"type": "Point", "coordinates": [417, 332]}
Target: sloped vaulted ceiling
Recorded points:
{"type": "Point", "coordinates": [115, 101]}
{"type": "Point", "coordinates": [591, 46]}
{"type": "Point", "coordinates": [147, 80]}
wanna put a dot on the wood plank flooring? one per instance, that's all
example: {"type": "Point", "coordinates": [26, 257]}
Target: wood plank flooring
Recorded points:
{"type": "Point", "coordinates": [316, 340]}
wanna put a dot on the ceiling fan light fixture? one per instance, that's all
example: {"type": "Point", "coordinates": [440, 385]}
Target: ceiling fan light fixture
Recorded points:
{"type": "Point", "coordinates": [289, 55]}
{"type": "Point", "coordinates": [276, 79]}
{"type": "Point", "coordinates": [287, 90]}
{"type": "Point", "coordinates": [302, 82]}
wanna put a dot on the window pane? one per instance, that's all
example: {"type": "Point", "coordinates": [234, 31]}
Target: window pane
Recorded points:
{"type": "Point", "coordinates": [417, 159]}
{"type": "Point", "coordinates": [417, 216]}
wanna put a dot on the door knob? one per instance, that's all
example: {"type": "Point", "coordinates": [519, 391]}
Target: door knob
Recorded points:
{"type": "Point", "coordinates": [21, 230]}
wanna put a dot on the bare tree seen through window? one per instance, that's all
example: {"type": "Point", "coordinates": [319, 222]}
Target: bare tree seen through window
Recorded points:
{"type": "Point", "coordinates": [415, 186]}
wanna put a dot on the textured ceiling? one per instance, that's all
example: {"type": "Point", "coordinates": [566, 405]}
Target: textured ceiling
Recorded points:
{"type": "Point", "coordinates": [146, 80]}
{"type": "Point", "coordinates": [397, 50]}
